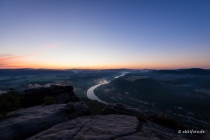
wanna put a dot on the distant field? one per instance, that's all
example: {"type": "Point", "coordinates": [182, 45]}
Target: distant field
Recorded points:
{"type": "Point", "coordinates": [81, 80]}
{"type": "Point", "coordinates": [134, 78]}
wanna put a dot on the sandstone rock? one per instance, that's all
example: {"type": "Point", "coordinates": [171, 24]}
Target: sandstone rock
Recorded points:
{"type": "Point", "coordinates": [74, 110]}
{"type": "Point", "coordinates": [61, 94]}
{"type": "Point", "coordinates": [107, 127]}
{"type": "Point", "coordinates": [27, 122]}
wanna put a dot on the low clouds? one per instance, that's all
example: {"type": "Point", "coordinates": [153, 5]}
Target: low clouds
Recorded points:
{"type": "Point", "coordinates": [12, 61]}
{"type": "Point", "coordinates": [4, 55]}
{"type": "Point", "coordinates": [10, 57]}
{"type": "Point", "coordinates": [36, 59]}
{"type": "Point", "coordinates": [36, 85]}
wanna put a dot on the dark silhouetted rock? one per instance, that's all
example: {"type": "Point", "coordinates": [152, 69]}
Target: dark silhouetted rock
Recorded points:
{"type": "Point", "coordinates": [107, 127]}
{"type": "Point", "coordinates": [27, 122]}
{"type": "Point", "coordinates": [60, 94]}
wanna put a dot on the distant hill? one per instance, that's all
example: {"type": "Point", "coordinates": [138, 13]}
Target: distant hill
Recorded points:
{"type": "Point", "coordinates": [25, 72]}
{"type": "Point", "coordinates": [191, 93]}
{"type": "Point", "coordinates": [28, 71]}
{"type": "Point", "coordinates": [193, 71]}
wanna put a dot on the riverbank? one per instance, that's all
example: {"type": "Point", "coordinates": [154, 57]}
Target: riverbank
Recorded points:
{"type": "Point", "coordinates": [90, 92]}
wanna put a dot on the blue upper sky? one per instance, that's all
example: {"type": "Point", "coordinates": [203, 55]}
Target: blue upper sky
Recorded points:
{"type": "Point", "coordinates": [104, 33]}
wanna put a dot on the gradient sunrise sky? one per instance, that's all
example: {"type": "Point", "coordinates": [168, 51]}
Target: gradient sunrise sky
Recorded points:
{"type": "Point", "coordinates": [99, 34]}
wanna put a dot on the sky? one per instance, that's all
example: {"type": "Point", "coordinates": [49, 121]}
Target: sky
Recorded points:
{"type": "Point", "coordinates": [104, 34]}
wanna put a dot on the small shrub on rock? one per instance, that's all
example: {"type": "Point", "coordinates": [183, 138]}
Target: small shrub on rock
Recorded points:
{"type": "Point", "coordinates": [48, 100]}
{"type": "Point", "coordinates": [9, 102]}
{"type": "Point", "coordinates": [167, 121]}
{"type": "Point", "coordinates": [95, 107]}
{"type": "Point", "coordinates": [141, 118]}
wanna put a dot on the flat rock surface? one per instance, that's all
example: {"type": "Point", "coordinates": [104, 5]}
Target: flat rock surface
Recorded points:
{"type": "Point", "coordinates": [27, 122]}
{"type": "Point", "coordinates": [107, 127]}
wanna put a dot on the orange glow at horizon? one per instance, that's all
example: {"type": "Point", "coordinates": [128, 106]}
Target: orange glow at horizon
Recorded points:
{"type": "Point", "coordinates": [137, 66]}
{"type": "Point", "coordinates": [23, 61]}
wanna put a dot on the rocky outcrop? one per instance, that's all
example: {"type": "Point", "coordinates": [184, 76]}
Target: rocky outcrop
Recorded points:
{"type": "Point", "coordinates": [27, 122]}
{"type": "Point", "coordinates": [69, 121]}
{"type": "Point", "coordinates": [74, 110]}
{"type": "Point", "coordinates": [107, 127]}
{"type": "Point", "coordinates": [60, 94]}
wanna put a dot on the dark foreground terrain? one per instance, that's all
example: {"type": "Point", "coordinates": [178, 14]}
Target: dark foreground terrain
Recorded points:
{"type": "Point", "coordinates": [62, 115]}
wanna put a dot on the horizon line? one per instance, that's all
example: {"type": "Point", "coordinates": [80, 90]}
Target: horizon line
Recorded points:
{"type": "Point", "coordinates": [103, 68]}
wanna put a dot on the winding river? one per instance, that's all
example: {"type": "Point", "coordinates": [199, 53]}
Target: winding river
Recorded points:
{"type": "Point", "coordinates": [91, 95]}
{"type": "Point", "coordinates": [90, 92]}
